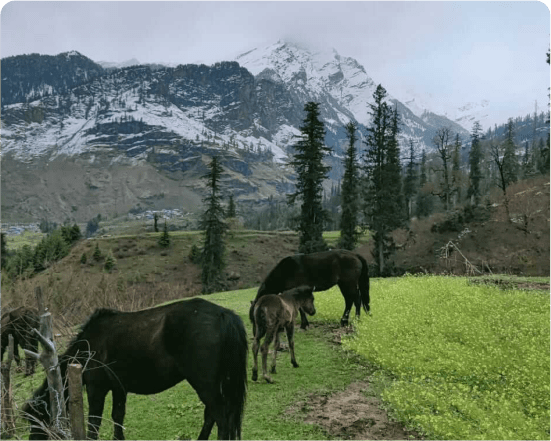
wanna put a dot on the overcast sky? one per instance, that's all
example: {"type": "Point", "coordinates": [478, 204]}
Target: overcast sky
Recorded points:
{"type": "Point", "coordinates": [447, 53]}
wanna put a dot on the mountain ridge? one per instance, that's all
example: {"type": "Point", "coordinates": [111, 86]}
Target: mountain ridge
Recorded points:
{"type": "Point", "coordinates": [173, 119]}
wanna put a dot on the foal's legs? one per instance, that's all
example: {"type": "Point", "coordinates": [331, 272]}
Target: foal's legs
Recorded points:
{"type": "Point", "coordinates": [290, 330]}
{"type": "Point", "coordinates": [119, 409]}
{"type": "Point", "coordinates": [303, 320]}
{"type": "Point", "coordinates": [96, 400]}
{"type": "Point", "coordinates": [264, 349]}
{"type": "Point", "coordinates": [256, 344]}
{"type": "Point", "coordinates": [276, 348]}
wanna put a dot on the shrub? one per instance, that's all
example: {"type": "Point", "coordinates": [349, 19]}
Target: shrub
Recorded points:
{"type": "Point", "coordinates": [109, 263]}
{"type": "Point", "coordinates": [97, 253]}
{"type": "Point", "coordinates": [50, 249]}
{"type": "Point", "coordinates": [83, 258]}
{"type": "Point", "coordinates": [21, 264]}
{"type": "Point", "coordinates": [164, 240]}
{"type": "Point", "coordinates": [195, 254]}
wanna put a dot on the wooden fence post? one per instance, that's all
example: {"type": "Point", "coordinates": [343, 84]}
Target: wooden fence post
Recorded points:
{"type": "Point", "coordinates": [48, 358]}
{"type": "Point", "coordinates": [76, 405]}
{"type": "Point", "coordinates": [8, 420]}
{"type": "Point", "coordinates": [39, 300]}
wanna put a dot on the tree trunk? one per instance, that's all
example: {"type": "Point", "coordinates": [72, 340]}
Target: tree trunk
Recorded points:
{"type": "Point", "coordinates": [8, 420]}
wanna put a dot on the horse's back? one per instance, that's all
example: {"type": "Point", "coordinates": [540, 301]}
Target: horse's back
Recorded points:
{"type": "Point", "coordinates": [273, 308]}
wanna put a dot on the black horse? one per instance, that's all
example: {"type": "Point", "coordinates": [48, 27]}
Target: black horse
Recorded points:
{"type": "Point", "coordinates": [149, 351]}
{"type": "Point", "coordinates": [321, 270]}
{"type": "Point", "coordinates": [20, 323]}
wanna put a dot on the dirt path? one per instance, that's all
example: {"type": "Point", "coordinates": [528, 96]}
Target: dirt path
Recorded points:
{"type": "Point", "coordinates": [353, 413]}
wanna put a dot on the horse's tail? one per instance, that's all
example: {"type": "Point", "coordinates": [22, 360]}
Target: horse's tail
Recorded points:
{"type": "Point", "coordinates": [233, 372]}
{"type": "Point", "coordinates": [364, 284]}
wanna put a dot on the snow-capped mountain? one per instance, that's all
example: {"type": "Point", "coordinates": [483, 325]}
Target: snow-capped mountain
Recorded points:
{"type": "Point", "coordinates": [341, 84]}
{"type": "Point", "coordinates": [464, 115]}
{"type": "Point", "coordinates": [102, 125]}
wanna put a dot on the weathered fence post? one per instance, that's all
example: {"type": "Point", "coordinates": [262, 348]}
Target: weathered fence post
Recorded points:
{"type": "Point", "coordinates": [8, 420]}
{"type": "Point", "coordinates": [39, 300]}
{"type": "Point", "coordinates": [76, 405]}
{"type": "Point", "coordinates": [48, 358]}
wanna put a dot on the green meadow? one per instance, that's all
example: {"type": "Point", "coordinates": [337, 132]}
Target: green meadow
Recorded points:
{"type": "Point", "coordinates": [449, 359]}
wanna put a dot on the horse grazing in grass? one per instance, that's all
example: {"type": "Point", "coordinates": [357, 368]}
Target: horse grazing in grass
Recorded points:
{"type": "Point", "coordinates": [20, 323]}
{"type": "Point", "coordinates": [322, 270]}
{"type": "Point", "coordinates": [273, 313]}
{"type": "Point", "coordinates": [149, 351]}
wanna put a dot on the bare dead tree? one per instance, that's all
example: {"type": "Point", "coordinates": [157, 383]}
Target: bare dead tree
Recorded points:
{"type": "Point", "coordinates": [498, 156]}
{"type": "Point", "coordinates": [445, 152]}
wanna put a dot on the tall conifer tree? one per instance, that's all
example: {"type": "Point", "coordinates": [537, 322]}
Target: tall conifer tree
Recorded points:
{"type": "Point", "coordinates": [382, 188]}
{"type": "Point", "coordinates": [214, 227]}
{"type": "Point", "coordinates": [510, 161]}
{"type": "Point", "coordinates": [410, 181]}
{"type": "Point", "coordinates": [475, 157]}
{"type": "Point", "coordinates": [308, 164]}
{"type": "Point", "coordinates": [349, 201]}
{"type": "Point", "coordinates": [457, 176]}
{"type": "Point", "coordinates": [424, 203]}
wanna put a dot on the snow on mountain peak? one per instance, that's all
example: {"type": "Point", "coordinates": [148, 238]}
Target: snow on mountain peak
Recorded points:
{"type": "Point", "coordinates": [315, 74]}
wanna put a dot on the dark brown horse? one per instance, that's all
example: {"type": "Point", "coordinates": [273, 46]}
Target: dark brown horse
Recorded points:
{"type": "Point", "coordinates": [149, 351]}
{"type": "Point", "coordinates": [321, 270]}
{"type": "Point", "coordinates": [20, 323]}
{"type": "Point", "coordinates": [273, 313]}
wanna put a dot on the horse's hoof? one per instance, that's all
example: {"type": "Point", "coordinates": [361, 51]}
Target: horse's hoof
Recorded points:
{"type": "Point", "coordinates": [273, 370]}
{"type": "Point", "coordinates": [344, 323]}
{"type": "Point", "coordinates": [255, 376]}
{"type": "Point", "coordinates": [295, 364]}
{"type": "Point", "coordinates": [268, 380]}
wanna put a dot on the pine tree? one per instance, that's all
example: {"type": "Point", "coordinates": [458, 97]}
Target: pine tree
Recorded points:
{"type": "Point", "coordinates": [457, 177]}
{"type": "Point", "coordinates": [164, 240]}
{"type": "Point", "coordinates": [231, 208]}
{"type": "Point", "coordinates": [542, 159]}
{"type": "Point", "coordinates": [510, 162]}
{"type": "Point", "coordinates": [382, 185]}
{"type": "Point", "coordinates": [349, 204]}
{"type": "Point", "coordinates": [97, 253]}
{"type": "Point", "coordinates": [110, 261]}
{"type": "Point", "coordinates": [214, 227]}
{"type": "Point", "coordinates": [424, 202]}
{"type": "Point", "coordinates": [155, 220]}
{"type": "Point", "coordinates": [475, 157]}
{"type": "Point", "coordinates": [310, 150]}
{"type": "Point", "coordinates": [410, 180]}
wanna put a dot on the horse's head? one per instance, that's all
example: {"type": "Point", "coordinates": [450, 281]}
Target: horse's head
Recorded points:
{"type": "Point", "coordinates": [305, 296]}
{"type": "Point", "coordinates": [37, 412]}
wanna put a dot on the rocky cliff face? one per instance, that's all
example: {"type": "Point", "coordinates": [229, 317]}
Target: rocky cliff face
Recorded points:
{"type": "Point", "coordinates": [69, 112]}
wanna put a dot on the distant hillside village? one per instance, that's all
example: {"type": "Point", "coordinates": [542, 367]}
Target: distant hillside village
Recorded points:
{"type": "Point", "coordinates": [18, 228]}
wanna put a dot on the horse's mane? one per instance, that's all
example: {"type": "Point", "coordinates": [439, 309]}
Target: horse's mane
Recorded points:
{"type": "Point", "coordinates": [97, 314]}
{"type": "Point", "coordinates": [301, 292]}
